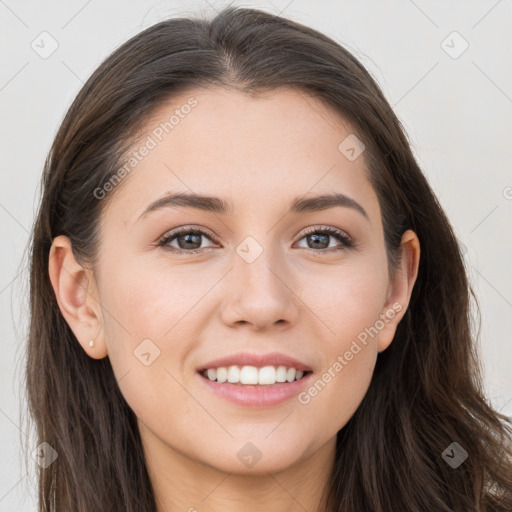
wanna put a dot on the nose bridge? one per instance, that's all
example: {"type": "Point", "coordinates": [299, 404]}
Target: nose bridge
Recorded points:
{"type": "Point", "coordinates": [258, 267]}
{"type": "Point", "coordinates": [258, 293]}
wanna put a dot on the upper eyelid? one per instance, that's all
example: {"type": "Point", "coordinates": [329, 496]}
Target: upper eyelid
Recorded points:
{"type": "Point", "coordinates": [176, 231]}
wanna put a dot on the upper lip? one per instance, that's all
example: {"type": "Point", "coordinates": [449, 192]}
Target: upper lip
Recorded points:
{"type": "Point", "coordinates": [260, 360]}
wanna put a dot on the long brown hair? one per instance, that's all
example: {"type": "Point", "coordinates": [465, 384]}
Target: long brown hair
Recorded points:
{"type": "Point", "coordinates": [426, 392]}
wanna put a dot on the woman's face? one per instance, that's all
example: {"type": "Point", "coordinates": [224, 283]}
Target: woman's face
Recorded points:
{"type": "Point", "coordinates": [264, 285]}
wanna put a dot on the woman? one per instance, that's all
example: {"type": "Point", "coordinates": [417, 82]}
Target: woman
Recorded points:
{"type": "Point", "coordinates": [315, 354]}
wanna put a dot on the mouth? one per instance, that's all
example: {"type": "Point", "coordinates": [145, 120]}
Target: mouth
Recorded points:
{"type": "Point", "coordinates": [249, 375]}
{"type": "Point", "coordinates": [255, 387]}
{"type": "Point", "coordinates": [255, 380]}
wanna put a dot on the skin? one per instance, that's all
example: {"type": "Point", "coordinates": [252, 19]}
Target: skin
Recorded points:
{"type": "Point", "coordinates": [259, 153]}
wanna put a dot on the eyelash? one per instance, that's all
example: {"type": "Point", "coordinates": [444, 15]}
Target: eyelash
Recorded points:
{"type": "Point", "coordinates": [346, 241]}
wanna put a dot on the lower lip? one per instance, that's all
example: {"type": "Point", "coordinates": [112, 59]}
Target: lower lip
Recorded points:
{"type": "Point", "coordinates": [257, 396]}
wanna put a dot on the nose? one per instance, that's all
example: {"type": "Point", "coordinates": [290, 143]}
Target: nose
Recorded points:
{"type": "Point", "coordinates": [260, 294]}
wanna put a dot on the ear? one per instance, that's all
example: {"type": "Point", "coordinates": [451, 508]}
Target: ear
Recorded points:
{"type": "Point", "coordinates": [400, 288]}
{"type": "Point", "coordinates": [76, 293]}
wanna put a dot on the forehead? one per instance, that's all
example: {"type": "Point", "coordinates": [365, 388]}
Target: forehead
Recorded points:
{"type": "Point", "coordinates": [271, 147]}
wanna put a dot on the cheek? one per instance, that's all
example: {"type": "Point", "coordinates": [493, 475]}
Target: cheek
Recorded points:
{"type": "Point", "coordinates": [152, 302]}
{"type": "Point", "coordinates": [343, 380]}
{"type": "Point", "coordinates": [348, 303]}
{"type": "Point", "coordinates": [146, 341]}
{"type": "Point", "coordinates": [347, 299]}
{"type": "Point", "coordinates": [340, 386]}
{"type": "Point", "coordinates": [151, 322]}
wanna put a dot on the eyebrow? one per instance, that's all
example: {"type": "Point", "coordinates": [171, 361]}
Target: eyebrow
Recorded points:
{"type": "Point", "coordinates": [223, 207]}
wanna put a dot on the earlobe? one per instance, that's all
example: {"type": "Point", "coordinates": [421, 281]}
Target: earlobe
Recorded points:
{"type": "Point", "coordinates": [400, 288]}
{"type": "Point", "coordinates": [74, 289]}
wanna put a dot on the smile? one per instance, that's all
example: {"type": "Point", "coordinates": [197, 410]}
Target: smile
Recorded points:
{"type": "Point", "coordinates": [256, 386]}
{"type": "Point", "coordinates": [252, 375]}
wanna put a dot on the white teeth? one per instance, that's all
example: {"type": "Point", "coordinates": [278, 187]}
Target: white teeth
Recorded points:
{"type": "Point", "coordinates": [281, 374]}
{"type": "Point", "coordinates": [265, 376]}
{"type": "Point", "coordinates": [233, 374]}
{"type": "Point", "coordinates": [249, 375]}
{"type": "Point", "coordinates": [290, 374]}
{"type": "Point", "coordinates": [222, 374]}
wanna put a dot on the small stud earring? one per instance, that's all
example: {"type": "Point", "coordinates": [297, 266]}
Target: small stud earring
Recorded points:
{"type": "Point", "coordinates": [91, 343]}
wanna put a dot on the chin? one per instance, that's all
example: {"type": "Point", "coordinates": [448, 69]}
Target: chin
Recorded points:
{"type": "Point", "coordinates": [258, 457]}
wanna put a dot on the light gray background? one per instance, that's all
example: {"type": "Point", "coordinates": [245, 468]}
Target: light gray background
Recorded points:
{"type": "Point", "coordinates": [457, 112]}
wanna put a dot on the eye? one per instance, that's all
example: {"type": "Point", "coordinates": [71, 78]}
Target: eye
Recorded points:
{"type": "Point", "coordinates": [320, 239]}
{"type": "Point", "coordinates": [189, 240]}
